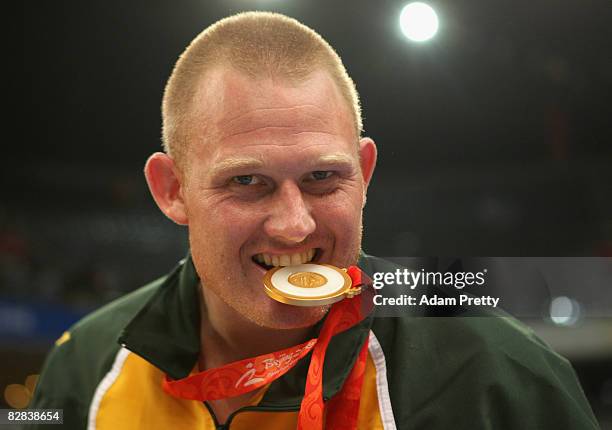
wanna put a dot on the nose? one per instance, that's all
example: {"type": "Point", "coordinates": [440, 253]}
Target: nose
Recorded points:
{"type": "Point", "coordinates": [290, 219]}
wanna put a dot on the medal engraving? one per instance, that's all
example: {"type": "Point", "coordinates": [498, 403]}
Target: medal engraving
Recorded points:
{"type": "Point", "coordinates": [307, 279]}
{"type": "Point", "coordinates": [308, 284]}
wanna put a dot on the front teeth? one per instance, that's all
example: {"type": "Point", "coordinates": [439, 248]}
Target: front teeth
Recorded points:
{"type": "Point", "coordinates": [285, 259]}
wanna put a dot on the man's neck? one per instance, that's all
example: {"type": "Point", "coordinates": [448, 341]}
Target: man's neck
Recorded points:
{"type": "Point", "coordinates": [226, 336]}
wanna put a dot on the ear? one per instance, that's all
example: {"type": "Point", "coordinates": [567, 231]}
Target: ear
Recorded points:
{"type": "Point", "coordinates": [367, 159]}
{"type": "Point", "coordinates": [164, 183]}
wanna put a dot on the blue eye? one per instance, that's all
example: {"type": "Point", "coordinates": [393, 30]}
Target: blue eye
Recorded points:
{"type": "Point", "coordinates": [319, 175]}
{"type": "Point", "coordinates": [245, 180]}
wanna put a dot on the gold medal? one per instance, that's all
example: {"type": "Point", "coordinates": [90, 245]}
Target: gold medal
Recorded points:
{"type": "Point", "coordinates": [309, 284]}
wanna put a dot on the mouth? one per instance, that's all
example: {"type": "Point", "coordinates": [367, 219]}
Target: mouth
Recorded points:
{"type": "Point", "coordinates": [269, 261]}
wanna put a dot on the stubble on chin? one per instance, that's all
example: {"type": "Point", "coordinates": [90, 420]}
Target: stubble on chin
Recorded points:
{"type": "Point", "coordinates": [260, 310]}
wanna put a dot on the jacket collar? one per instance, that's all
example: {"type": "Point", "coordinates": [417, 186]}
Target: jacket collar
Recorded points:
{"type": "Point", "coordinates": [166, 332]}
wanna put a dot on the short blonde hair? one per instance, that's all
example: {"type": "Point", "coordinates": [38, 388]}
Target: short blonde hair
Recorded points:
{"type": "Point", "coordinates": [254, 43]}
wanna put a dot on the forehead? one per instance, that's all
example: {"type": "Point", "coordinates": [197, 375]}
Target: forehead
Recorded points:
{"type": "Point", "coordinates": [232, 111]}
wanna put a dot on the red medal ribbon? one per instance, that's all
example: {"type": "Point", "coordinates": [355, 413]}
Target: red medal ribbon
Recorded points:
{"type": "Point", "coordinates": [250, 374]}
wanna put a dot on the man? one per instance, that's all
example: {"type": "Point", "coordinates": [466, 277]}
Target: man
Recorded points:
{"type": "Point", "coordinates": [265, 164]}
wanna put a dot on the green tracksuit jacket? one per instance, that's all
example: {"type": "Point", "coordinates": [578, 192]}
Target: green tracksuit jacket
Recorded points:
{"type": "Point", "coordinates": [459, 369]}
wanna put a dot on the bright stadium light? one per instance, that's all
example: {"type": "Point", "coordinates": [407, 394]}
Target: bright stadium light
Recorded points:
{"type": "Point", "coordinates": [564, 311]}
{"type": "Point", "coordinates": [418, 22]}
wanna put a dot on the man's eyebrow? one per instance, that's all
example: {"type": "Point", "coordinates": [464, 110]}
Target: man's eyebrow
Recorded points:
{"type": "Point", "coordinates": [333, 159]}
{"type": "Point", "coordinates": [250, 163]}
{"type": "Point", "coordinates": [231, 164]}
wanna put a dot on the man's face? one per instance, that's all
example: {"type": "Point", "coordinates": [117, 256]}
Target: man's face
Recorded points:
{"type": "Point", "coordinates": [272, 178]}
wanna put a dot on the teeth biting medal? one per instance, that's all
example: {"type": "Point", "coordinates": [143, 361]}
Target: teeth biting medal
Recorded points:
{"type": "Point", "coordinates": [309, 284]}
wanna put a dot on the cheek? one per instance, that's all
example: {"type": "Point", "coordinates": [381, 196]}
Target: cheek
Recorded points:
{"type": "Point", "coordinates": [224, 224]}
{"type": "Point", "coordinates": [347, 200]}
{"type": "Point", "coordinates": [340, 212]}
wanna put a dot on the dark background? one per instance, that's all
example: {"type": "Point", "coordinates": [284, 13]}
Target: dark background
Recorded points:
{"type": "Point", "coordinates": [494, 140]}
